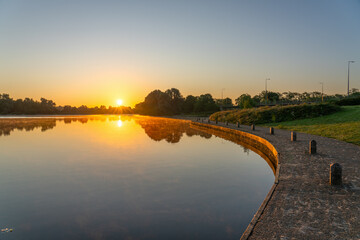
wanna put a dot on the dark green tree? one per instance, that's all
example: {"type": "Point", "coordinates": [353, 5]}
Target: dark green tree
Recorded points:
{"type": "Point", "coordinates": [205, 103]}
{"type": "Point", "coordinates": [245, 101]}
{"type": "Point", "coordinates": [176, 100]}
{"type": "Point", "coordinates": [156, 103]}
{"type": "Point", "coordinates": [189, 104]}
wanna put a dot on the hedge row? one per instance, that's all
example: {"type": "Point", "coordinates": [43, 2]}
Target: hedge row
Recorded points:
{"type": "Point", "coordinates": [348, 101]}
{"type": "Point", "coordinates": [274, 114]}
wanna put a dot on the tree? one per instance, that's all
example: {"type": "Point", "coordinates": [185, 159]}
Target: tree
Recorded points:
{"type": "Point", "coordinates": [45, 106]}
{"type": "Point", "coordinates": [223, 102]}
{"type": "Point", "coordinates": [156, 103]}
{"type": "Point", "coordinates": [271, 96]}
{"type": "Point", "coordinates": [205, 103]}
{"type": "Point", "coordinates": [227, 102]}
{"type": "Point", "coordinates": [305, 96]}
{"type": "Point", "coordinates": [256, 99]}
{"type": "Point", "coordinates": [354, 92]}
{"type": "Point", "coordinates": [245, 101]}
{"type": "Point", "coordinates": [176, 100]}
{"type": "Point", "coordinates": [189, 104]}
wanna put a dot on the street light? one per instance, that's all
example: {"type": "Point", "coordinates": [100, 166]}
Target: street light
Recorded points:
{"type": "Point", "coordinates": [349, 75]}
{"type": "Point", "coordinates": [266, 96]}
{"type": "Point", "coordinates": [322, 91]}
{"type": "Point", "coordinates": [222, 96]}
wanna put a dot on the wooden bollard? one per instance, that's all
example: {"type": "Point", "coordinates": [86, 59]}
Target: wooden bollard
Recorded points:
{"type": "Point", "coordinates": [253, 127]}
{"type": "Point", "coordinates": [293, 136]}
{"type": "Point", "coordinates": [312, 147]}
{"type": "Point", "coordinates": [238, 124]}
{"type": "Point", "coordinates": [272, 131]}
{"type": "Point", "coordinates": [208, 120]}
{"type": "Point", "coordinates": [335, 174]}
{"type": "Point", "coordinates": [216, 121]}
{"type": "Point", "coordinates": [227, 123]}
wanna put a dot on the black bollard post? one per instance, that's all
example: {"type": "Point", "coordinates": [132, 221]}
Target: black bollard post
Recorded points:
{"type": "Point", "coordinates": [335, 174]}
{"type": "Point", "coordinates": [312, 147]}
{"type": "Point", "coordinates": [238, 125]}
{"type": "Point", "coordinates": [293, 136]}
{"type": "Point", "coordinates": [253, 127]}
{"type": "Point", "coordinates": [272, 131]}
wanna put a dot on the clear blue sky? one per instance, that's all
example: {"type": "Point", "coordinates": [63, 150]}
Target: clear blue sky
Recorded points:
{"type": "Point", "coordinates": [93, 52]}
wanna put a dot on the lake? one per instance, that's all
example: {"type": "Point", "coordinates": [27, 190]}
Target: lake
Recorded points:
{"type": "Point", "coordinates": [125, 177]}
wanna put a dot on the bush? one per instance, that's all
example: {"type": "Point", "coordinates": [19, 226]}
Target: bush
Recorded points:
{"type": "Point", "coordinates": [274, 114]}
{"type": "Point", "coordinates": [348, 101]}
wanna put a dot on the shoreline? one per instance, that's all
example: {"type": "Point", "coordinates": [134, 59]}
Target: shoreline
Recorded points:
{"type": "Point", "coordinates": [302, 204]}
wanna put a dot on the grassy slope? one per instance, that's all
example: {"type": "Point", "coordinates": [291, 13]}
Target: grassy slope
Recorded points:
{"type": "Point", "coordinates": [343, 125]}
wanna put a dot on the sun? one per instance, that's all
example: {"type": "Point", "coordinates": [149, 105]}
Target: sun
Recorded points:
{"type": "Point", "coordinates": [119, 102]}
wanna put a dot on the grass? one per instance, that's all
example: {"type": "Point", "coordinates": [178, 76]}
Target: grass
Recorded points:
{"type": "Point", "coordinates": [343, 125]}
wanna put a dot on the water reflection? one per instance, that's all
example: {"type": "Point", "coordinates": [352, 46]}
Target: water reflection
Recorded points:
{"type": "Point", "coordinates": [7, 125]}
{"type": "Point", "coordinates": [238, 140]}
{"type": "Point", "coordinates": [89, 178]}
{"type": "Point", "coordinates": [169, 129]}
{"type": "Point", "coordinates": [158, 129]}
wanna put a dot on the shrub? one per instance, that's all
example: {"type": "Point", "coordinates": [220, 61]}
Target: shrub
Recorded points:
{"type": "Point", "coordinates": [274, 114]}
{"type": "Point", "coordinates": [348, 101]}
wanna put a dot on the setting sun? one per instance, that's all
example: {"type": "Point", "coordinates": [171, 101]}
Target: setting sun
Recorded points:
{"type": "Point", "coordinates": [119, 102]}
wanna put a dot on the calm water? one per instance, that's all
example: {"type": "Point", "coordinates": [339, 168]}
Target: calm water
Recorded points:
{"type": "Point", "coordinates": [127, 177]}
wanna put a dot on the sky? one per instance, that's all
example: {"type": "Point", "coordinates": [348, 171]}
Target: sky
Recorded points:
{"type": "Point", "coordinates": [95, 52]}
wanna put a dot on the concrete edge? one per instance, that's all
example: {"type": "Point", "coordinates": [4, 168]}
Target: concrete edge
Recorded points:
{"type": "Point", "coordinates": [248, 231]}
{"type": "Point", "coordinates": [264, 144]}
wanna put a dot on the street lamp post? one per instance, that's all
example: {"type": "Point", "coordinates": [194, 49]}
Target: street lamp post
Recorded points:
{"type": "Point", "coordinates": [266, 95]}
{"type": "Point", "coordinates": [349, 75]}
{"type": "Point", "coordinates": [322, 91]}
{"type": "Point", "coordinates": [222, 98]}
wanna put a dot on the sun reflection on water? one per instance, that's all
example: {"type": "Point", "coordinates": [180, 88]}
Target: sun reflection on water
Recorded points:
{"type": "Point", "coordinates": [119, 123]}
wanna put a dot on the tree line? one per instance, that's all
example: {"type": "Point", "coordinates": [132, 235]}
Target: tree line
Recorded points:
{"type": "Point", "coordinates": [30, 106]}
{"type": "Point", "coordinates": [287, 98]}
{"type": "Point", "coordinates": [170, 102]}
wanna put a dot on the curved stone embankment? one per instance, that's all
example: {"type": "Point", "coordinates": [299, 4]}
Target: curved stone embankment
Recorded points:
{"type": "Point", "coordinates": [302, 204]}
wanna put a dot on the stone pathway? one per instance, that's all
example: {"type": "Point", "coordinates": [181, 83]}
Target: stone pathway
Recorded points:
{"type": "Point", "coordinates": [303, 204]}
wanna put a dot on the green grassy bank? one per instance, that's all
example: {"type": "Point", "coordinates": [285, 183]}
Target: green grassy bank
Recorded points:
{"type": "Point", "coordinates": [343, 125]}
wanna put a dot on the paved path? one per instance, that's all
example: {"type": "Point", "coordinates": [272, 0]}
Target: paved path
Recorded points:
{"type": "Point", "coordinates": [303, 205]}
